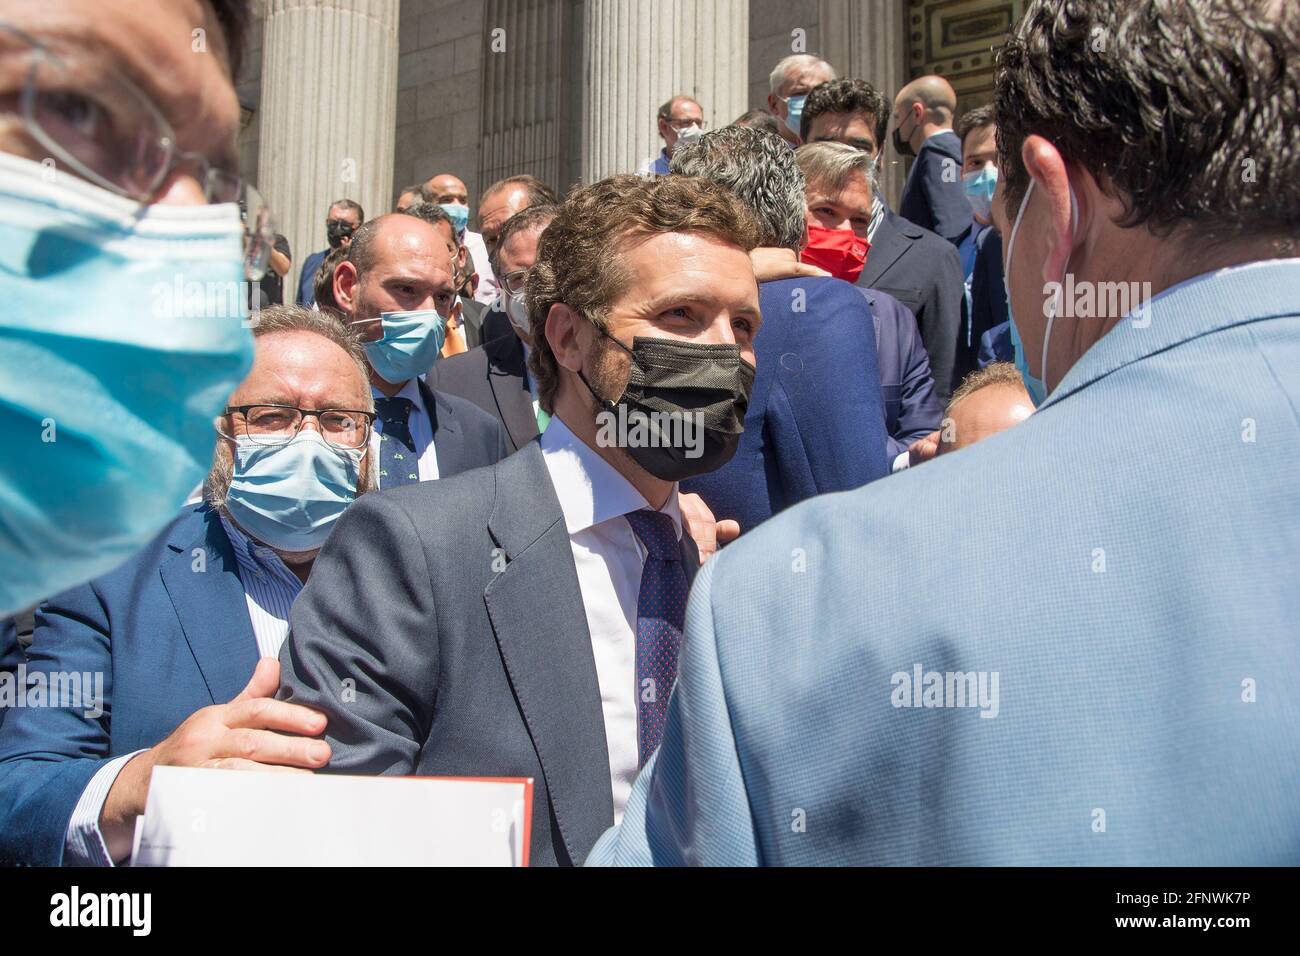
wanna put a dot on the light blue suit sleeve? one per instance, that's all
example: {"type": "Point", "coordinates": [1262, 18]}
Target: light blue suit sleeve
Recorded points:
{"type": "Point", "coordinates": [689, 806]}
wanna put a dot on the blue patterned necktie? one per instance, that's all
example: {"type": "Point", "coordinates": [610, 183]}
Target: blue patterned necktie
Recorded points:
{"type": "Point", "coordinates": [398, 463]}
{"type": "Point", "coordinates": [660, 615]}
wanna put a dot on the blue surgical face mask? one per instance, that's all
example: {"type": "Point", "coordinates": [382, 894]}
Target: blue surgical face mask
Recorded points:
{"type": "Point", "coordinates": [410, 346]}
{"type": "Point", "coordinates": [1037, 387]}
{"type": "Point", "coordinates": [979, 187]}
{"type": "Point", "coordinates": [459, 216]}
{"type": "Point", "coordinates": [289, 496]}
{"type": "Point", "coordinates": [122, 333]}
{"type": "Point", "coordinates": [794, 112]}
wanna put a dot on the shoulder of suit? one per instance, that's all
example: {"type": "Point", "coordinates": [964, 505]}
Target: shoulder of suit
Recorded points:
{"type": "Point", "coordinates": [467, 413]}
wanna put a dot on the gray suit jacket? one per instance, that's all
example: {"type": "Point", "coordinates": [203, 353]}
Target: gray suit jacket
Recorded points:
{"type": "Point", "coordinates": [454, 607]}
{"type": "Point", "coordinates": [494, 378]}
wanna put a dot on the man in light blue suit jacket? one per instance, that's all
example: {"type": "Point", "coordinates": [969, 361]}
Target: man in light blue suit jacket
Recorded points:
{"type": "Point", "coordinates": [1094, 659]}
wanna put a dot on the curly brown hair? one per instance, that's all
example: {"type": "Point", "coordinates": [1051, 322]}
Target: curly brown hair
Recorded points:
{"type": "Point", "coordinates": [580, 255]}
{"type": "Point", "coordinates": [1184, 111]}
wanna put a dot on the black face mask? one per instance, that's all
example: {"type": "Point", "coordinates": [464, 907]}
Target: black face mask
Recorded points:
{"type": "Point", "coordinates": [683, 411]}
{"type": "Point", "coordinates": [337, 230]}
{"type": "Point", "coordinates": [902, 146]}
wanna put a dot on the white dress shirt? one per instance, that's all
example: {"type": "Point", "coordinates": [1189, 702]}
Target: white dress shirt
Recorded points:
{"type": "Point", "coordinates": [482, 264]}
{"type": "Point", "coordinates": [609, 558]}
{"type": "Point", "coordinates": [421, 431]}
{"type": "Point", "coordinates": [269, 591]}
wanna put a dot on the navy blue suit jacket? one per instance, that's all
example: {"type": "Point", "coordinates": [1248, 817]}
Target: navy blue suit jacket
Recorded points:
{"type": "Point", "coordinates": [816, 419]}
{"type": "Point", "coordinates": [988, 293]}
{"type": "Point", "coordinates": [11, 653]}
{"type": "Point", "coordinates": [996, 346]}
{"type": "Point", "coordinates": [168, 638]}
{"type": "Point", "coordinates": [464, 436]}
{"type": "Point", "coordinates": [924, 273]}
{"type": "Point", "coordinates": [933, 197]}
{"type": "Point", "coordinates": [307, 278]}
{"type": "Point", "coordinates": [912, 409]}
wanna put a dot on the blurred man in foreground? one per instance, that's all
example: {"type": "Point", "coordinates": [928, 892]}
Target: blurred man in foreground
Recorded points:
{"type": "Point", "coordinates": [105, 412]}
{"type": "Point", "coordinates": [996, 688]}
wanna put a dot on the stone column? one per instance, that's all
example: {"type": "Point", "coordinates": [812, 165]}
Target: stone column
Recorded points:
{"type": "Point", "coordinates": [638, 54]}
{"type": "Point", "coordinates": [329, 105]}
{"type": "Point", "coordinates": [869, 41]}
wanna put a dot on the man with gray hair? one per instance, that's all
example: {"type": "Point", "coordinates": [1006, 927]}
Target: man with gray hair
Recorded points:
{"type": "Point", "coordinates": [190, 627]}
{"type": "Point", "coordinates": [790, 82]}
{"type": "Point", "coordinates": [915, 266]}
{"type": "Point", "coordinates": [815, 422]}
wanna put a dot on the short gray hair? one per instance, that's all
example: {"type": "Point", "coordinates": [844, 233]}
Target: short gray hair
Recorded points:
{"type": "Point", "coordinates": [828, 166]}
{"type": "Point", "coordinates": [294, 318]}
{"type": "Point", "coordinates": [788, 63]}
{"type": "Point", "coordinates": [758, 168]}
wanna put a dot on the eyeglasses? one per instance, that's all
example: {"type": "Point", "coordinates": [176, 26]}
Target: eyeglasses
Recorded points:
{"type": "Point", "coordinates": [279, 424]}
{"type": "Point", "coordinates": [514, 282]}
{"type": "Point", "coordinates": [681, 124]}
{"type": "Point", "coordinates": [100, 126]}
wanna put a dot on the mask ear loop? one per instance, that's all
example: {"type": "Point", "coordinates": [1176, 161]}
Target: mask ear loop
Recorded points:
{"type": "Point", "coordinates": [1060, 292]}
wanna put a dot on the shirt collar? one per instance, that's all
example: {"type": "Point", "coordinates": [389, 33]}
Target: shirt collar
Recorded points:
{"type": "Point", "coordinates": [877, 214]}
{"type": "Point", "coordinates": [411, 390]}
{"type": "Point", "coordinates": [590, 489]}
{"type": "Point", "coordinates": [1197, 306]}
{"type": "Point", "coordinates": [252, 555]}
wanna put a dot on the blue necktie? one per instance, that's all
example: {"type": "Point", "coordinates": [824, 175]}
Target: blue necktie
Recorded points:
{"type": "Point", "coordinates": [398, 463]}
{"type": "Point", "coordinates": [660, 615]}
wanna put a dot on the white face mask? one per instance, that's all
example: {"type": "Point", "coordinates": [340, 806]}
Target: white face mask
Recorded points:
{"type": "Point", "coordinates": [1035, 385]}
{"type": "Point", "coordinates": [690, 134]}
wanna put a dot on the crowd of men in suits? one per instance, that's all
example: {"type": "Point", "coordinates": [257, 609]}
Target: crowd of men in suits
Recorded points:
{"type": "Point", "coordinates": [417, 549]}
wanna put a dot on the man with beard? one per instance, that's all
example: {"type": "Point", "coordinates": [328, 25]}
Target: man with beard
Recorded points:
{"type": "Point", "coordinates": [523, 620]}
{"type": "Point", "coordinates": [188, 630]}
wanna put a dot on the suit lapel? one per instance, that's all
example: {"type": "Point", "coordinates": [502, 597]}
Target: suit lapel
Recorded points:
{"type": "Point", "coordinates": [448, 439]}
{"type": "Point", "coordinates": [886, 247]}
{"type": "Point", "coordinates": [210, 604]}
{"type": "Point", "coordinates": [505, 373]}
{"type": "Point", "coordinates": [536, 610]}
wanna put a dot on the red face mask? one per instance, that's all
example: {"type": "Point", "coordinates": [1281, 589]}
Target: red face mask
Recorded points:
{"type": "Point", "coordinates": [839, 251]}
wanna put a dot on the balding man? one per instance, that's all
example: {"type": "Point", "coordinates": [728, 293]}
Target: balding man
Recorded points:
{"type": "Point", "coordinates": [396, 288]}
{"type": "Point", "coordinates": [933, 197]}
{"type": "Point", "coordinates": [450, 192]}
{"type": "Point", "coordinates": [792, 79]}
{"type": "Point", "coordinates": [504, 198]}
{"type": "Point", "coordinates": [989, 401]}
{"type": "Point", "coordinates": [680, 118]}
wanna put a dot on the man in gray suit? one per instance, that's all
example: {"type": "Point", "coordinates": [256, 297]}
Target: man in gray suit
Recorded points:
{"type": "Point", "coordinates": [524, 620]}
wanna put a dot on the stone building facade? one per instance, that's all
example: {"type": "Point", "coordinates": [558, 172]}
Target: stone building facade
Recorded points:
{"type": "Point", "coordinates": [358, 98]}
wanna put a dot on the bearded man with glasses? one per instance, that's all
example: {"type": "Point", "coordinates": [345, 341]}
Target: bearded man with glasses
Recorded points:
{"type": "Point", "coordinates": [190, 627]}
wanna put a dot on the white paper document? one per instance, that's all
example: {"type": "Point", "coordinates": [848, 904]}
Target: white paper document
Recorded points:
{"type": "Point", "coordinates": [199, 817]}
